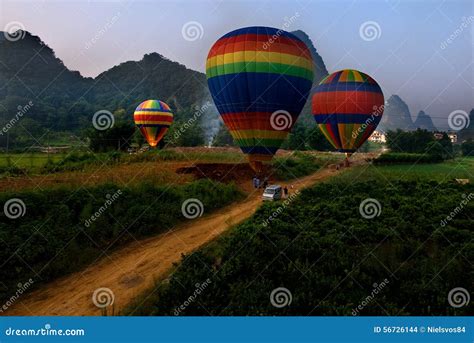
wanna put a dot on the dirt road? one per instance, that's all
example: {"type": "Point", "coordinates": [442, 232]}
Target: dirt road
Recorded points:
{"type": "Point", "coordinates": [133, 269]}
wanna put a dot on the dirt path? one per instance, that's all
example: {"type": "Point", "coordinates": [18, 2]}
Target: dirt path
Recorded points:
{"type": "Point", "coordinates": [133, 269]}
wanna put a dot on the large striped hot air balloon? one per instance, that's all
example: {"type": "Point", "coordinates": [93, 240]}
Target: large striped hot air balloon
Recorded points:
{"type": "Point", "coordinates": [259, 78]}
{"type": "Point", "coordinates": [347, 106]}
{"type": "Point", "coordinates": [153, 118]}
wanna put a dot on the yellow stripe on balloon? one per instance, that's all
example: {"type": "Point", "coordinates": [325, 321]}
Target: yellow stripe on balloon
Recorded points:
{"type": "Point", "coordinates": [262, 134]}
{"type": "Point", "coordinates": [259, 56]}
{"type": "Point", "coordinates": [152, 122]}
{"type": "Point", "coordinates": [153, 113]}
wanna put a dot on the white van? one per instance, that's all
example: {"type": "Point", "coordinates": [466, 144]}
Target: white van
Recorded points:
{"type": "Point", "coordinates": [272, 192]}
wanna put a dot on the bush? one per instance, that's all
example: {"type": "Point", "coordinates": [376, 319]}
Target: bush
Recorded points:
{"type": "Point", "coordinates": [61, 231]}
{"type": "Point", "coordinates": [394, 158]}
{"type": "Point", "coordinates": [300, 164]}
{"type": "Point", "coordinates": [331, 258]}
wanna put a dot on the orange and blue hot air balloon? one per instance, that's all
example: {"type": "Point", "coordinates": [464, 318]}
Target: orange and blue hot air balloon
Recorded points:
{"type": "Point", "coordinates": [153, 118]}
{"type": "Point", "coordinates": [260, 79]}
{"type": "Point", "coordinates": [347, 106]}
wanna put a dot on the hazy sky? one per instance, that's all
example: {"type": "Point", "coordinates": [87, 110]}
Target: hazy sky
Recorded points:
{"type": "Point", "coordinates": [404, 47]}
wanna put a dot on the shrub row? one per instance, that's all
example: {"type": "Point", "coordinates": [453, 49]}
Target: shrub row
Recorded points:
{"type": "Point", "coordinates": [62, 229]}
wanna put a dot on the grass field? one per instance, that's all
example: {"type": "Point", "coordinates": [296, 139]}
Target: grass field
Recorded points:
{"type": "Point", "coordinates": [460, 168]}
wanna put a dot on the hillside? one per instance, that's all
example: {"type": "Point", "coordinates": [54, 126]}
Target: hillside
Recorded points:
{"type": "Point", "coordinates": [396, 115]}
{"type": "Point", "coordinates": [423, 121]}
{"type": "Point", "coordinates": [64, 100]}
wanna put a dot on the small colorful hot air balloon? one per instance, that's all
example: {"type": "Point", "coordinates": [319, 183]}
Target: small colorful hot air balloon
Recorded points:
{"type": "Point", "coordinates": [260, 79]}
{"type": "Point", "coordinates": [347, 106]}
{"type": "Point", "coordinates": [153, 118]}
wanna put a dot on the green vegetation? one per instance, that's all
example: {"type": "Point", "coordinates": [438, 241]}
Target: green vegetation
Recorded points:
{"type": "Point", "coordinates": [301, 164]}
{"type": "Point", "coordinates": [400, 157]}
{"type": "Point", "coordinates": [58, 234]}
{"type": "Point", "coordinates": [420, 141]}
{"type": "Point", "coordinates": [459, 168]}
{"type": "Point", "coordinates": [329, 256]}
{"type": "Point", "coordinates": [467, 148]}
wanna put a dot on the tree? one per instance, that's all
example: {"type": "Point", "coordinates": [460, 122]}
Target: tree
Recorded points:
{"type": "Point", "coordinates": [223, 137]}
{"type": "Point", "coordinates": [467, 148]}
{"type": "Point", "coordinates": [118, 137]}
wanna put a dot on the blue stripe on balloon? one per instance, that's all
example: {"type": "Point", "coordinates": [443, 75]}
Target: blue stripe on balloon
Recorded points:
{"type": "Point", "coordinates": [259, 150]}
{"type": "Point", "coordinates": [349, 86]}
{"type": "Point", "coordinates": [259, 92]}
{"type": "Point", "coordinates": [347, 118]}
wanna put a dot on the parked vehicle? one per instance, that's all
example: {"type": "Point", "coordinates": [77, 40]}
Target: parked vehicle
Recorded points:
{"type": "Point", "coordinates": [272, 193]}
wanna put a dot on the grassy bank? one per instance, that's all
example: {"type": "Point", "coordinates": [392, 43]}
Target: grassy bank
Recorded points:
{"type": "Point", "coordinates": [331, 258]}
{"type": "Point", "coordinates": [62, 230]}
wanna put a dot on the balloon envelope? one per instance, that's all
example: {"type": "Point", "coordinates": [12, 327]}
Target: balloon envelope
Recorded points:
{"type": "Point", "coordinates": [347, 106]}
{"type": "Point", "coordinates": [153, 118]}
{"type": "Point", "coordinates": [259, 78]}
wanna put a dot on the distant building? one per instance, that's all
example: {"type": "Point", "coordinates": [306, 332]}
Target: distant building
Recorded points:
{"type": "Point", "coordinates": [453, 136]}
{"type": "Point", "coordinates": [378, 137]}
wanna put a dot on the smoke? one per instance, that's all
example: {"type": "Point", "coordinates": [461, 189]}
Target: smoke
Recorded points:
{"type": "Point", "coordinates": [210, 121]}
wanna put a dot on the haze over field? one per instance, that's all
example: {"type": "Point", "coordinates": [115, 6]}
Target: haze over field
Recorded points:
{"type": "Point", "coordinates": [421, 51]}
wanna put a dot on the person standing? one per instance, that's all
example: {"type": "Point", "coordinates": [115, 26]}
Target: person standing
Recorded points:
{"type": "Point", "coordinates": [285, 191]}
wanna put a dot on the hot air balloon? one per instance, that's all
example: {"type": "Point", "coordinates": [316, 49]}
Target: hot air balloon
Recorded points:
{"type": "Point", "coordinates": [259, 78]}
{"type": "Point", "coordinates": [347, 106]}
{"type": "Point", "coordinates": [153, 118]}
